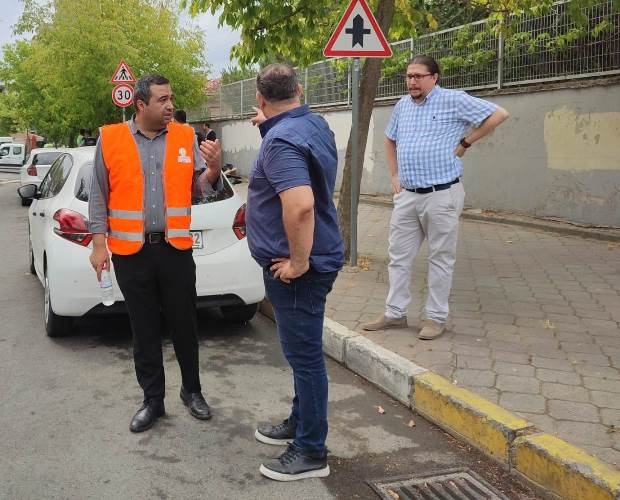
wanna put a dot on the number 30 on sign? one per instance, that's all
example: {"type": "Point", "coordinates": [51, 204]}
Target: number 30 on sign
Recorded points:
{"type": "Point", "coordinates": [122, 95]}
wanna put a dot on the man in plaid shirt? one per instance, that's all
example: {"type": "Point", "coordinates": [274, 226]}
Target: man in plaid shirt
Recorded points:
{"type": "Point", "coordinates": [430, 130]}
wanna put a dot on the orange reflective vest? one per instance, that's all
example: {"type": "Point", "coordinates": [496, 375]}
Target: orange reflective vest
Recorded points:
{"type": "Point", "coordinates": [126, 180]}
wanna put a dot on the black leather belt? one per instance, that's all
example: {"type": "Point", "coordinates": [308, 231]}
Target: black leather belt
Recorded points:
{"type": "Point", "coordinates": [436, 187]}
{"type": "Point", "coordinates": [155, 237]}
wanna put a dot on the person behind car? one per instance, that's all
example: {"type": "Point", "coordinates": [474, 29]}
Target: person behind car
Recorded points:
{"type": "Point", "coordinates": [80, 137]}
{"type": "Point", "coordinates": [180, 116]}
{"type": "Point", "coordinates": [149, 238]}
{"type": "Point", "coordinates": [209, 133]}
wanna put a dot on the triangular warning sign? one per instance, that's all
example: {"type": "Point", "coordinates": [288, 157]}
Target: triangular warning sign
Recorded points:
{"type": "Point", "coordinates": [358, 34]}
{"type": "Point", "coordinates": [123, 73]}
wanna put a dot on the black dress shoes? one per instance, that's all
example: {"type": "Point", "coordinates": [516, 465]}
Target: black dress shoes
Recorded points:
{"type": "Point", "coordinates": [196, 404]}
{"type": "Point", "coordinates": [147, 415]}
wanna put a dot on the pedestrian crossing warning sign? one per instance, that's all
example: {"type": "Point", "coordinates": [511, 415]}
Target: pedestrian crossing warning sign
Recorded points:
{"type": "Point", "coordinates": [123, 73]}
{"type": "Point", "coordinates": [358, 34]}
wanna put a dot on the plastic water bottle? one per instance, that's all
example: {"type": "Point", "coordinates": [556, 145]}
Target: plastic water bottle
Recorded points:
{"type": "Point", "coordinates": [107, 290]}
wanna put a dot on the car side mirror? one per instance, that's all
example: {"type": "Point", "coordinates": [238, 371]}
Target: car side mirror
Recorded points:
{"type": "Point", "coordinates": [28, 191]}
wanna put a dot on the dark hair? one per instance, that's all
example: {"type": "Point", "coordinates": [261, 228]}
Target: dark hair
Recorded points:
{"type": "Point", "coordinates": [207, 125]}
{"type": "Point", "coordinates": [82, 131]}
{"type": "Point", "coordinates": [142, 89]}
{"type": "Point", "coordinates": [277, 82]}
{"type": "Point", "coordinates": [180, 116]}
{"type": "Point", "coordinates": [428, 61]}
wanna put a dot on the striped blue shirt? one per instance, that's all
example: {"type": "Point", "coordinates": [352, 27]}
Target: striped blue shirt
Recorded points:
{"type": "Point", "coordinates": [428, 133]}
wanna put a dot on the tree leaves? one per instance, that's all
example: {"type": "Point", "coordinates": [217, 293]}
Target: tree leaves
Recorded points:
{"type": "Point", "coordinates": [59, 80]}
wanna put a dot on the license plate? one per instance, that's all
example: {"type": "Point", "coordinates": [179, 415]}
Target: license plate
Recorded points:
{"type": "Point", "coordinates": [196, 239]}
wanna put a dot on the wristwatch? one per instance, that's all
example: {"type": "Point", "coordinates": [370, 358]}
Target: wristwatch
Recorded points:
{"type": "Point", "coordinates": [464, 143]}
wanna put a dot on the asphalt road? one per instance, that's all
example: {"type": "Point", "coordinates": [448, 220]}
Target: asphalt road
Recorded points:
{"type": "Point", "coordinates": [67, 403]}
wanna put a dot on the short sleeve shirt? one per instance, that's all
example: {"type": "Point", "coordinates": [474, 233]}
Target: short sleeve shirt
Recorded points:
{"type": "Point", "coordinates": [427, 134]}
{"type": "Point", "coordinates": [298, 149]}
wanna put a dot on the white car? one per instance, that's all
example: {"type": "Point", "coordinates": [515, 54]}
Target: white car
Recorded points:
{"type": "Point", "coordinates": [12, 156]}
{"type": "Point", "coordinates": [38, 163]}
{"type": "Point", "coordinates": [60, 246]}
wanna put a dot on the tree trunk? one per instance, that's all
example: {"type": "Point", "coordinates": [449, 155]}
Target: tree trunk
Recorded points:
{"type": "Point", "coordinates": [371, 71]}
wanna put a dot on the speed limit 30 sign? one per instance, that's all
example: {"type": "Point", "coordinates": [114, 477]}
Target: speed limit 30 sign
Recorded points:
{"type": "Point", "coordinates": [122, 95]}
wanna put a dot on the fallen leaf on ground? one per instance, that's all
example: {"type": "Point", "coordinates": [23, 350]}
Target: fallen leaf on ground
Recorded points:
{"type": "Point", "coordinates": [548, 325]}
{"type": "Point", "coordinates": [364, 263]}
{"type": "Point", "coordinates": [411, 423]}
{"type": "Point", "coordinates": [508, 241]}
{"type": "Point", "coordinates": [612, 428]}
{"type": "Point", "coordinates": [393, 494]}
{"type": "Point", "coordinates": [380, 409]}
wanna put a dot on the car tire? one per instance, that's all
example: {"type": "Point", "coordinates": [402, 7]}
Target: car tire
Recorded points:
{"type": "Point", "coordinates": [55, 325]}
{"type": "Point", "coordinates": [239, 314]}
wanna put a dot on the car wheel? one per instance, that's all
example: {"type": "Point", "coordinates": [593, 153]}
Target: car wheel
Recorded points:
{"type": "Point", "coordinates": [239, 314]}
{"type": "Point", "coordinates": [55, 326]}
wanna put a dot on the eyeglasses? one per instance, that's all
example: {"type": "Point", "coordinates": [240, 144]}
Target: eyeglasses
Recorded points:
{"type": "Point", "coordinates": [418, 77]}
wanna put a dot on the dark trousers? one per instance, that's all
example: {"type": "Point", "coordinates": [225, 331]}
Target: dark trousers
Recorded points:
{"type": "Point", "coordinates": [160, 279]}
{"type": "Point", "coordinates": [299, 308]}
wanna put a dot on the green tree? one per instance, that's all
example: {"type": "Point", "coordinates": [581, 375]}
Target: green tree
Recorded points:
{"type": "Point", "coordinates": [297, 31]}
{"type": "Point", "coordinates": [235, 73]}
{"type": "Point", "coordinates": [59, 79]}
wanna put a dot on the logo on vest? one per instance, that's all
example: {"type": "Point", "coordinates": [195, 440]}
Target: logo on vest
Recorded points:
{"type": "Point", "coordinates": [183, 158]}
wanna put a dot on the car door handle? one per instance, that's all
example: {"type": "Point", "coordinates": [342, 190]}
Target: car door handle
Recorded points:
{"type": "Point", "coordinates": [34, 213]}
{"type": "Point", "coordinates": [42, 214]}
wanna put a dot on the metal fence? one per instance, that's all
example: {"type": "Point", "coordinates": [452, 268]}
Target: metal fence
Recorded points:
{"type": "Point", "coordinates": [550, 47]}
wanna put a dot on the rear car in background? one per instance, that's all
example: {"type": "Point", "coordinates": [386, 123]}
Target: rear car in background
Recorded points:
{"type": "Point", "coordinates": [12, 156]}
{"type": "Point", "coordinates": [36, 167]}
{"type": "Point", "coordinates": [60, 245]}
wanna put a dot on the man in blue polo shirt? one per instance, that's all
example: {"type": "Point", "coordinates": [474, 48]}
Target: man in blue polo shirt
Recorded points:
{"type": "Point", "coordinates": [293, 234]}
{"type": "Point", "coordinates": [430, 130]}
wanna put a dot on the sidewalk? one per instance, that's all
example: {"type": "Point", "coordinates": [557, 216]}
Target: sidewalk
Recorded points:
{"type": "Point", "coordinates": [534, 323]}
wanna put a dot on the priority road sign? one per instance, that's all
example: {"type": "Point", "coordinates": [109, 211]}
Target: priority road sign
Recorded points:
{"type": "Point", "coordinates": [123, 73]}
{"type": "Point", "coordinates": [122, 95]}
{"type": "Point", "coordinates": [358, 34]}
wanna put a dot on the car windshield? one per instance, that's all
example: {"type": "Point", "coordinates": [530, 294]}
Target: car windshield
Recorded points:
{"type": "Point", "coordinates": [82, 188]}
{"type": "Point", "coordinates": [223, 194]}
{"type": "Point", "coordinates": [46, 158]}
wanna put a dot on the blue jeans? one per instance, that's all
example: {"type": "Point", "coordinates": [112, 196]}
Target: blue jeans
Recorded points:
{"type": "Point", "coordinates": [299, 308]}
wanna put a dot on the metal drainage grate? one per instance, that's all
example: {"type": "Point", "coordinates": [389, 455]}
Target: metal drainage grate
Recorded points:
{"type": "Point", "coordinates": [454, 484]}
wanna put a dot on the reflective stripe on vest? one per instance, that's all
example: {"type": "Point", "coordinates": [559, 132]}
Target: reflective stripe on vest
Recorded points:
{"type": "Point", "coordinates": [125, 236]}
{"type": "Point", "coordinates": [126, 180]}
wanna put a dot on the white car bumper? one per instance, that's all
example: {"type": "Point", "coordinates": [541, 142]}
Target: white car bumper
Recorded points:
{"type": "Point", "coordinates": [75, 290]}
{"type": "Point", "coordinates": [231, 271]}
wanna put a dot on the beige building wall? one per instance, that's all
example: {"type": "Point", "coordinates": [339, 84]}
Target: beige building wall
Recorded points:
{"type": "Point", "coordinates": [558, 155]}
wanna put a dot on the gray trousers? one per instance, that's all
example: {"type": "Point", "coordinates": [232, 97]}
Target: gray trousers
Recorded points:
{"type": "Point", "coordinates": [433, 216]}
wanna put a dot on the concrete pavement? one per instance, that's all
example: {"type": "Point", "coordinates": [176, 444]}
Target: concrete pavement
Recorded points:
{"type": "Point", "coordinates": [534, 323]}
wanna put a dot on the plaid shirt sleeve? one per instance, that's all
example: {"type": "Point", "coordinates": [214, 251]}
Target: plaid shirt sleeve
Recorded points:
{"type": "Point", "coordinates": [392, 129]}
{"type": "Point", "coordinates": [473, 110]}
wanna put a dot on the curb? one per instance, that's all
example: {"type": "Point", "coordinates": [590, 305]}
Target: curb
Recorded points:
{"type": "Point", "coordinates": [552, 466]}
{"type": "Point", "coordinates": [467, 415]}
{"type": "Point", "coordinates": [392, 373]}
{"type": "Point", "coordinates": [558, 227]}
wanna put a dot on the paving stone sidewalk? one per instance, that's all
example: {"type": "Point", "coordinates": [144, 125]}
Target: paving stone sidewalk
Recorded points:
{"type": "Point", "coordinates": [534, 323]}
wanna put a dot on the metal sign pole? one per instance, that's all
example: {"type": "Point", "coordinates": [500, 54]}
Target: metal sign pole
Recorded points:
{"type": "Point", "coordinates": [355, 157]}
{"type": "Point", "coordinates": [123, 114]}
